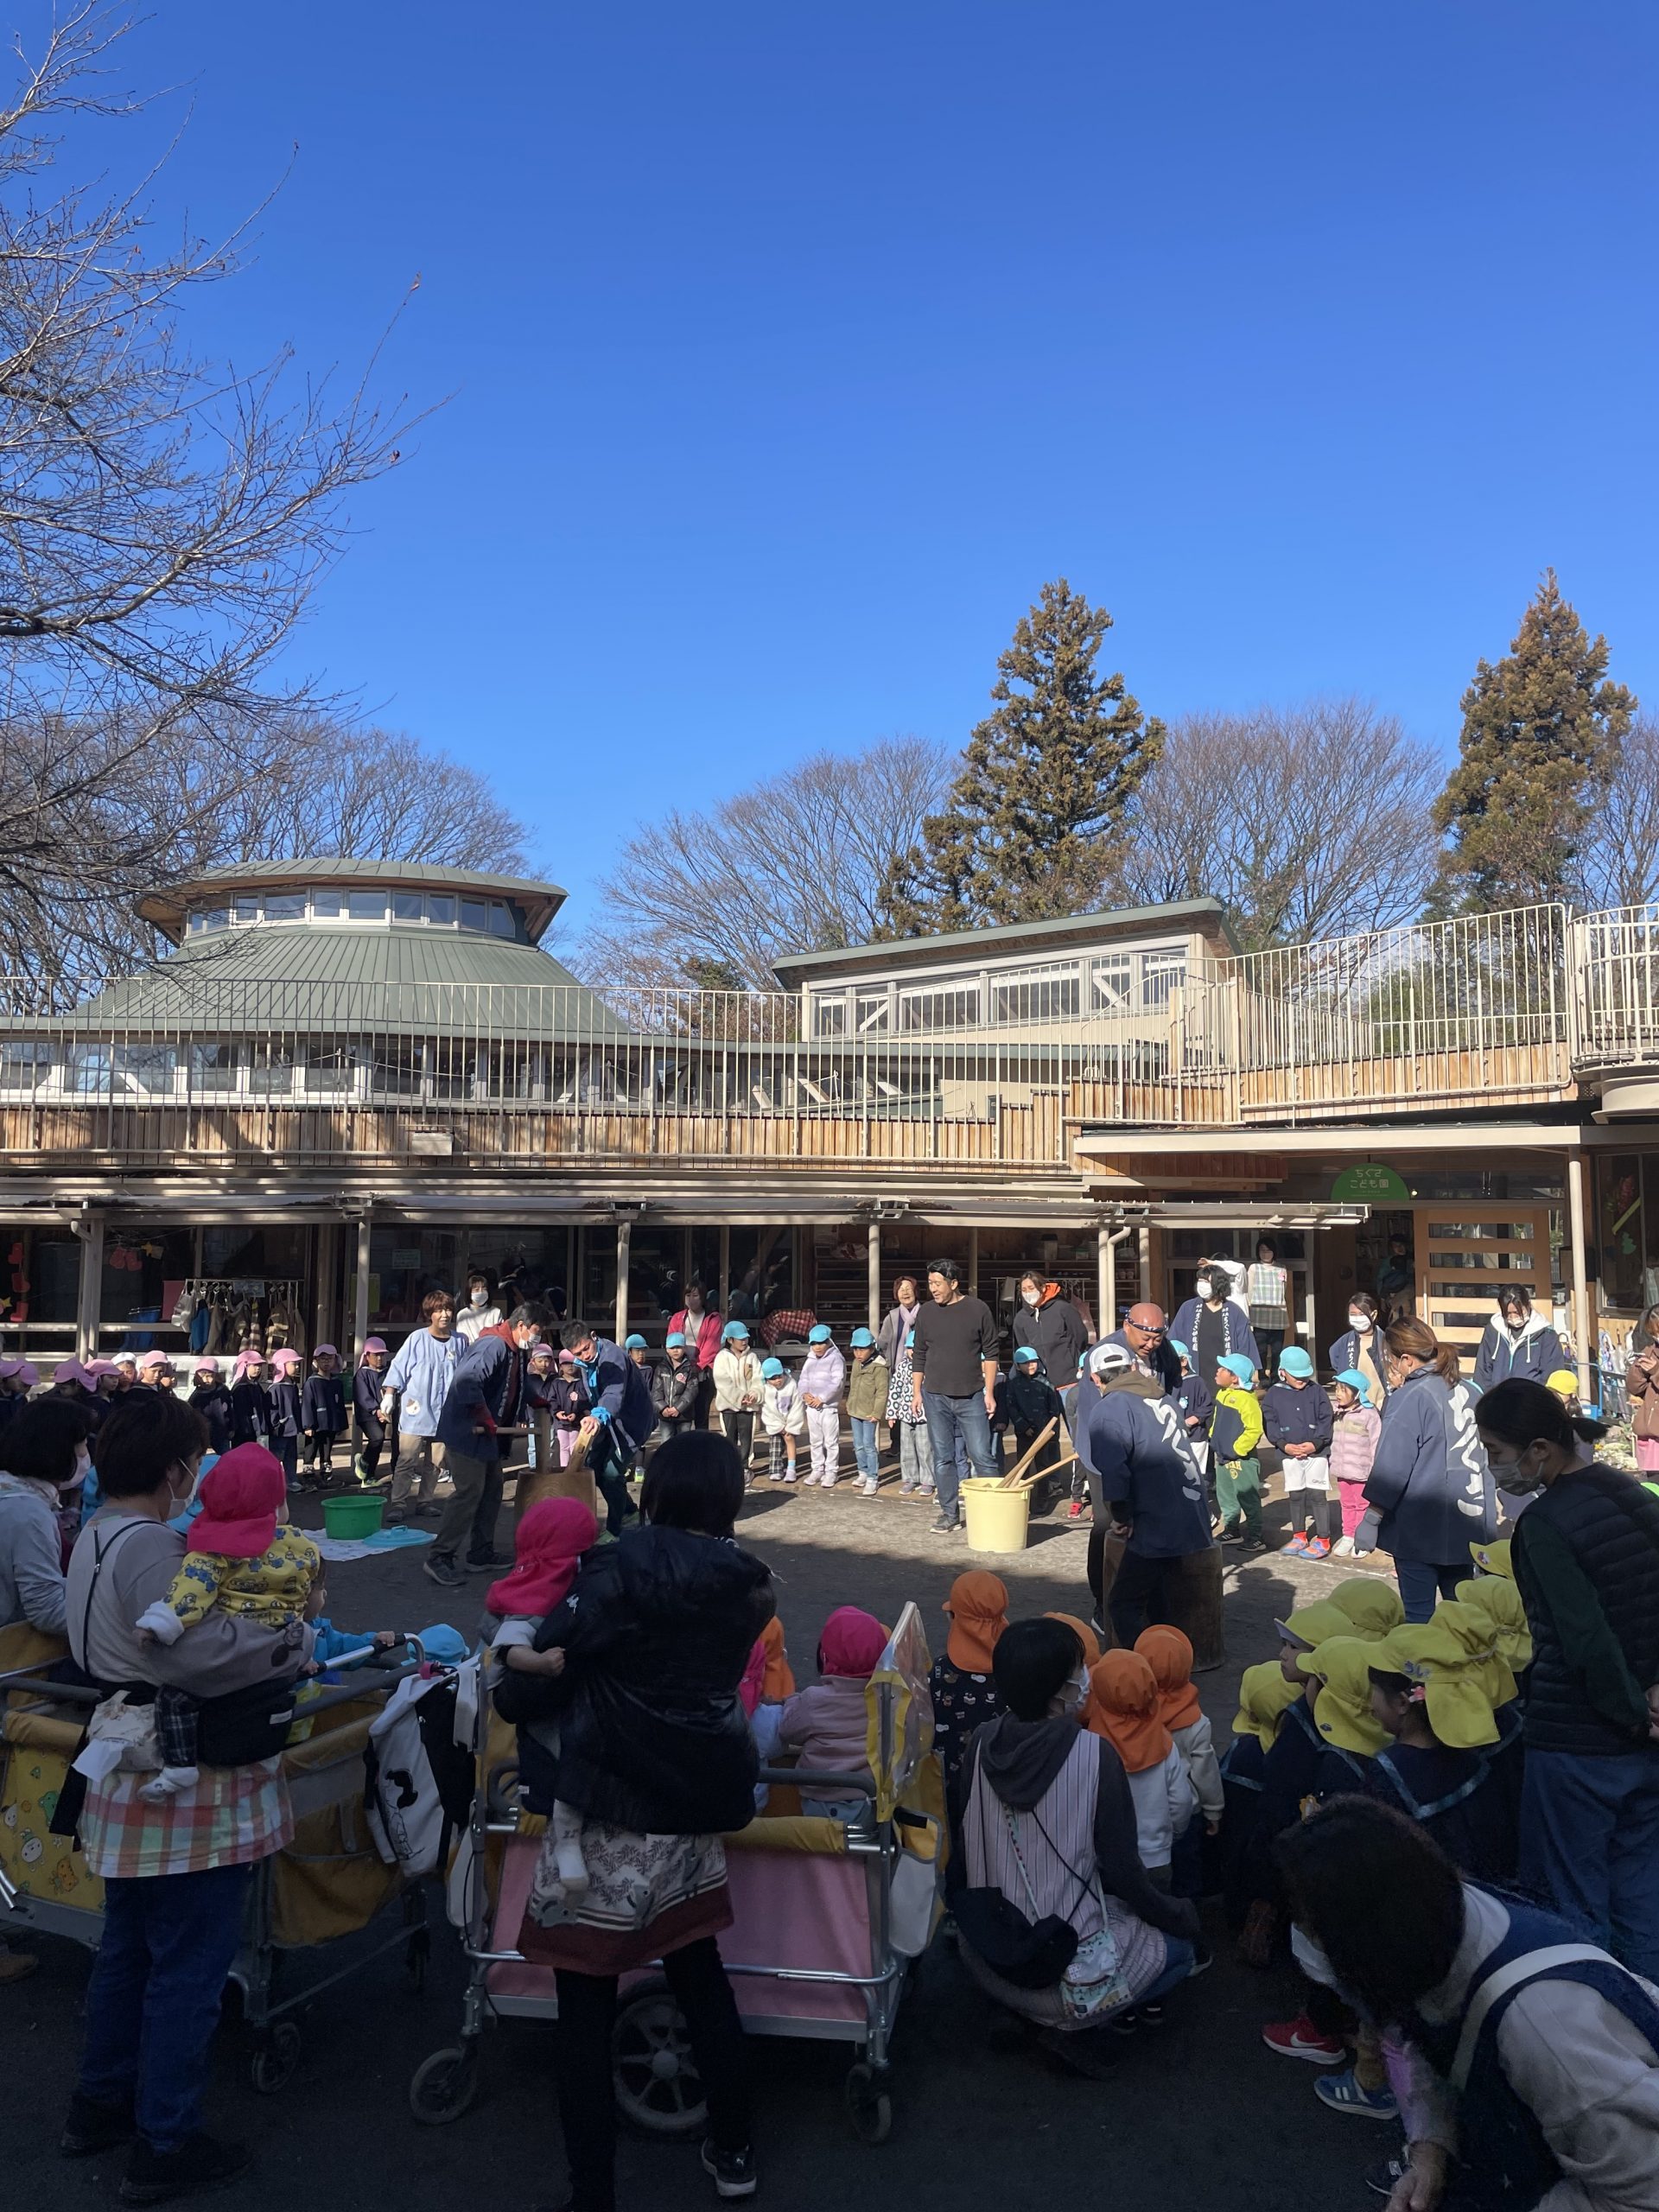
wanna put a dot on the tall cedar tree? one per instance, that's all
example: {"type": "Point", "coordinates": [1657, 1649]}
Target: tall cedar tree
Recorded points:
{"type": "Point", "coordinates": [1025, 833]}
{"type": "Point", "coordinates": [1541, 734]}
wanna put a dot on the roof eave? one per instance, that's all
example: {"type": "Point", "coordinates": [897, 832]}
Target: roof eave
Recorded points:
{"type": "Point", "coordinates": [792, 967]}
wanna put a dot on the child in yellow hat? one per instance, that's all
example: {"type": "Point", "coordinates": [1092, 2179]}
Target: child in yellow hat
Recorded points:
{"type": "Point", "coordinates": [1451, 1765]}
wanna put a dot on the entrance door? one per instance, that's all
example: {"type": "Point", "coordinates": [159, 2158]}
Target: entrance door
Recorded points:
{"type": "Point", "coordinates": [1467, 1251]}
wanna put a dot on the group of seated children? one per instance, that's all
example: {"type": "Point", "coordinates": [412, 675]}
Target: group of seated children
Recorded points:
{"type": "Point", "coordinates": [1424, 1717]}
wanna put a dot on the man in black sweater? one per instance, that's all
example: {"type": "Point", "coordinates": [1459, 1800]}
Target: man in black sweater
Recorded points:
{"type": "Point", "coordinates": [953, 1383]}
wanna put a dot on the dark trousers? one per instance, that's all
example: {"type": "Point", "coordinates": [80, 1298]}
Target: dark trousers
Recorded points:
{"type": "Point", "coordinates": [704, 1399]}
{"type": "Point", "coordinates": [287, 1449]}
{"type": "Point", "coordinates": [153, 2000]}
{"type": "Point", "coordinates": [1422, 1584]}
{"type": "Point", "coordinates": [610, 1479]}
{"type": "Point", "coordinates": [1137, 1598]}
{"type": "Point", "coordinates": [739, 1430]}
{"type": "Point", "coordinates": [1590, 1842]}
{"type": "Point", "coordinates": [472, 1513]}
{"type": "Point", "coordinates": [582, 2046]}
{"type": "Point", "coordinates": [371, 1437]}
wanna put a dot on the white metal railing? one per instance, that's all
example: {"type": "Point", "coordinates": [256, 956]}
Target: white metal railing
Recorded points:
{"type": "Point", "coordinates": [1615, 978]}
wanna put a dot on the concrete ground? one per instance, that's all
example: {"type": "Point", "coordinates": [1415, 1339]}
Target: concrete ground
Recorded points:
{"type": "Point", "coordinates": [1201, 2114]}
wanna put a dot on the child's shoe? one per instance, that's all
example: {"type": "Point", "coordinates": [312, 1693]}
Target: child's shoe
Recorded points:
{"type": "Point", "coordinates": [168, 1782]}
{"type": "Point", "coordinates": [1297, 1547]}
{"type": "Point", "coordinates": [1318, 1548]}
{"type": "Point", "coordinates": [869, 1486]}
{"type": "Point", "coordinates": [1342, 1548]}
{"type": "Point", "coordinates": [1342, 2093]}
{"type": "Point", "coordinates": [1299, 2038]}
{"type": "Point", "coordinates": [1076, 1513]}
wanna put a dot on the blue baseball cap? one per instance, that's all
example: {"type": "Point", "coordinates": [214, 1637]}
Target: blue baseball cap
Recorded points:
{"type": "Point", "coordinates": [819, 1333]}
{"type": "Point", "coordinates": [1354, 1379]}
{"type": "Point", "coordinates": [674, 1337]}
{"type": "Point", "coordinates": [860, 1338]}
{"type": "Point", "coordinates": [1235, 1363]}
{"type": "Point", "coordinates": [735, 1329]}
{"type": "Point", "coordinates": [634, 1344]}
{"type": "Point", "coordinates": [1026, 1351]}
{"type": "Point", "coordinates": [1180, 1351]}
{"type": "Point", "coordinates": [772, 1369]}
{"type": "Point", "coordinates": [1294, 1361]}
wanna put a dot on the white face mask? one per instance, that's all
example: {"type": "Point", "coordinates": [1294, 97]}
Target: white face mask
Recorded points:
{"type": "Point", "coordinates": [1206, 1289]}
{"type": "Point", "coordinates": [1359, 1322]}
{"type": "Point", "coordinates": [480, 1296]}
{"type": "Point", "coordinates": [1076, 1690]}
{"type": "Point", "coordinates": [83, 1468]}
{"type": "Point", "coordinates": [1033, 1298]}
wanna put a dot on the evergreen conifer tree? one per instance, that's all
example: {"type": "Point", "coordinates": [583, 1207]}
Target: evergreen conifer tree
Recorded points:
{"type": "Point", "coordinates": [1541, 733]}
{"type": "Point", "coordinates": [1026, 833]}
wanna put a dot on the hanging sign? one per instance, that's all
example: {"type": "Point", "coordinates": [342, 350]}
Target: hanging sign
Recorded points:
{"type": "Point", "coordinates": [1370, 1183]}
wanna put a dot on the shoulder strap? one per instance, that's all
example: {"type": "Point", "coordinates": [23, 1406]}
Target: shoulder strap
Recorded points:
{"type": "Point", "coordinates": [1501, 1983]}
{"type": "Point", "coordinates": [100, 1553]}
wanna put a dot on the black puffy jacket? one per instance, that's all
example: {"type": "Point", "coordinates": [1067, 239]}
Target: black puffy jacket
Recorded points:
{"type": "Point", "coordinates": [656, 1633]}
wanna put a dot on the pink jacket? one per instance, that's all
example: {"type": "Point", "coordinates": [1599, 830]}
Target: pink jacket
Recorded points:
{"type": "Point", "coordinates": [1353, 1443]}
{"type": "Point", "coordinates": [708, 1334]}
{"type": "Point", "coordinates": [831, 1723]}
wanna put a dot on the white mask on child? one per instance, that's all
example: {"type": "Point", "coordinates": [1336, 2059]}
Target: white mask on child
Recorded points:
{"type": "Point", "coordinates": [1074, 1691]}
{"type": "Point", "coordinates": [1359, 1323]}
{"type": "Point", "coordinates": [83, 1468]}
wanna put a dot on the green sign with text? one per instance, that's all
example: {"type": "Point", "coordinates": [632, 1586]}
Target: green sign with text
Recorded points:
{"type": "Point", "coordinates": [1369, 1184]}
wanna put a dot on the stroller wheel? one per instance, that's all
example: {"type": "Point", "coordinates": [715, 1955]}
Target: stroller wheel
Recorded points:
{"type": "Point", "coordinates": [655, 2078]}
{"type": "Point", "coordinates": [444, 2085]}
{"type": "Point", "coordinates": [868, 2105]}
{"type": "Point", "coordinates": [274, 2061]}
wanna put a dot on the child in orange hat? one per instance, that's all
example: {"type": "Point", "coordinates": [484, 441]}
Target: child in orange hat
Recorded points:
{"type": "Point", "coordinates": [964, 1693]}
{"type": "Point", "coordinates": [1123, 1706]}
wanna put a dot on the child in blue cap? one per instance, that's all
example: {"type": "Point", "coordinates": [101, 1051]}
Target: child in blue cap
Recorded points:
{"type": "Point", "coordinates": [866, 1404]}
{"type": "Point", "coordinates": [1235, 1432]}
{"type": "Point", "coordinates": [1296, 1416]}
{"type": "Point", "coordinates": [783, 1418]}
{"type": "Point", "coordinates": [1033, 1403]}
{"type": "Point", "coordinates": [1357, 1425]}
{"type": "Point", "coordinates": [738, 1386]}
{"type": "Point", "coordinates": [823, 1375]}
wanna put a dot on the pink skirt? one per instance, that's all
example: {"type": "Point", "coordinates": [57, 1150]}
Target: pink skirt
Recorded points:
{"type": "Point", "coordinates": [1647, 1454]}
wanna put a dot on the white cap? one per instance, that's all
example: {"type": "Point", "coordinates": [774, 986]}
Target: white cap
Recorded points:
{"type": "Point", "coordinates": [1109, 1359]}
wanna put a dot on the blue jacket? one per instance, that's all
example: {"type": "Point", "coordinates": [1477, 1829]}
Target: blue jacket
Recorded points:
{"type": "Point", "coordinates": [621, 1395]}
{"type": "Point", "coordinates": [1290, 1416]}
{"type": "Point", "coordinates": [1430, 1477]}
{"type": "Point", "coordinates": [421, 1373]}
{"type": "Point", "coordinates": [490, 1378]}
{"type": "Point", "coordinates": [1195, 1397]}
{"type": "Point", "coordinates": [1142, 1460]}
{"type": "Point", "coordinates": [1346, 1353]}
{"type": "Point", "coordinates": [1534, 1354]}
{"type": "Point", "coordinates": [323, 1406]}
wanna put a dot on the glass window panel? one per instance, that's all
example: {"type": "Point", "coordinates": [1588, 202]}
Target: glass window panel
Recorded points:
{"type": "Point", "coordinates": [441, 908]}
{"type": "Point", "coordinates": [475, 913]}
{"type": "Point", "coordinates": [829, 1017]}
{"type": "Point", "coordinates": [212, 1067]}
{"type": "Point", "coordinates": [366, 906]}
{"type": "Point", "coordinates": [500, 918]}
{"type": "Point", "coordinates": [1489, 1260]}
{"type": "Point", "coordinates": [214, 918]}
{"type": "Point", "coordinates": [285, 907]}
{"type": "Point", "coordinates": [1513, 1230]}
{"type": "Point", "coordinates": [874, 1014]}
{"type": "Point", "coordinates": [245, 910]}
{"type": "Point", "coordinates": [407, 905]}
{"type": "Point", "coordinates": [1160, 974]}
{"type": "Point", "coordinates": [1114, 981]}
{"type": "Point", "coordinates": [955, 1009]}
{"type": "Point", "coordinates": [328, 904]}
{"type": "Point", "coordinates": [1619, 1231]}
{"type": "Point", "coordinates": [1037, 998]}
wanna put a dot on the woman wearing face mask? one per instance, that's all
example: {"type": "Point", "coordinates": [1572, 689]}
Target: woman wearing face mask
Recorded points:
{"type": "Point", "coordinates": [46, 1462]}
{"type": "Point", "coordinates": [1585, 1555]}
{"type": "Point", "coordinates": [1050, 1324]}
{"type": "Point", "coordinates": [1213, 1324]}
{"type": "Point", "coordinates": [177, 1874]}
{"type": "Point", "coordinates": [481, 1311]}
{"type": "Point", "coordinates": [1047, 1818]}
{"type": "Point", "coordinates": [1361, 1348]}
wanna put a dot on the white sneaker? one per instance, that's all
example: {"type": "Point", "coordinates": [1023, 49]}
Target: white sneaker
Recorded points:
{"type": "Point", "coordinates": [1342, 1548]}
{"type": "Point", "coordinates": [826, 1482]}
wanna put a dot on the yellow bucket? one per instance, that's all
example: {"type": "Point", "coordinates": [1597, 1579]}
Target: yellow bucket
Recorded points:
{"type": "Point", "coordinates": [998, 1519]}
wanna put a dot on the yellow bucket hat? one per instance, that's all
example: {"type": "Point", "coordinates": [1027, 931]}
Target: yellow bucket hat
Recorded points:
{"type": "Point", "coordinates": [1493, 1559]}
{"type": "Point", "coordinates": [1310, 1625]}
{"type": "Point", "coordinates": [1264, 1698]}
{"type": "Point", "coordinates": [1371, 1604]}
{"type": "Point", "coordinates": [1500, 1602]}
{"type": "Point", "coordinates": [1342, 1711]}
{"type": "Point", "coordinates": [1456, 1683]}
{"type": "Point", "coordinates": [1477, 1636]}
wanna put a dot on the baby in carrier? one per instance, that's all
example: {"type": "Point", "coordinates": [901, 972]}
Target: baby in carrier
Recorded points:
{"type": "Point", "coordinates": [548, 1549]}
{"type": "Point", "coordinates": [240, 1557]}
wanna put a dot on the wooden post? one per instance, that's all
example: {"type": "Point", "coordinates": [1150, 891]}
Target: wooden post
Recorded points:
{"type": "Point", "coordinates": [328, 1268]}
{"type": "Point", "coordinates": [723, 1287]}
{"type": "Point", "coordinates": [1104, 1301]}
{"type": "Point", "coordinates": [1580, 1291]}
{"type": "Point", "coordinates": [624, 1239]}
{"type": "Point", "coordinates": [361, 1304]}
{"type": "Point", "coordinates": [91, 1292]}
{"type": "Point", "coordinates": [973, 1263]}
{"type": "Point", "coordinates": [874, 1275]}
{"type": "Point", "coordinates": [1144, 1238]}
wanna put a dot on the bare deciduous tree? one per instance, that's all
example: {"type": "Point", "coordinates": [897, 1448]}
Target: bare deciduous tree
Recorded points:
{"type": "Point", "coordinates": [1617, 862]}
{"type": "Point", "coordinates": [1308, 822]}
{"type": "Point", "coordinates": [793, 865]}
{"type": "Point", "coordinates": [163, 521]}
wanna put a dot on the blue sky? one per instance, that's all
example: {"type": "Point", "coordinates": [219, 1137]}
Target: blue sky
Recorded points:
{"type": "Point", "coordinates": [790, 349]}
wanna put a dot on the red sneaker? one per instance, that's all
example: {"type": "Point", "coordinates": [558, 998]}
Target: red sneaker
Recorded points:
{"type": "Point", "coordinates": [1318, 1548]}
{"type": "Point", "coordinates": [1077, 1509]}
{"type": "Point", "coordinates": [1299, 2038]}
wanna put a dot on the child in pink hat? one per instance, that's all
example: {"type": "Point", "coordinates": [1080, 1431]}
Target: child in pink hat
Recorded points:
{"type": "Point", "coordinates": [245, 1558]}
{"type": "Point", "coordinates": [285, 1411]}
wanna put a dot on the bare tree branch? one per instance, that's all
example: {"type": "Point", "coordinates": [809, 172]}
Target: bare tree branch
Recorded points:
{"type": "Point", "coordinates": [1617, 863]}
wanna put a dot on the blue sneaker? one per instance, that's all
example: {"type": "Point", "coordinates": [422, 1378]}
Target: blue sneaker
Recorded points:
{"type": "Point", "coordinates": [1342, 2093]}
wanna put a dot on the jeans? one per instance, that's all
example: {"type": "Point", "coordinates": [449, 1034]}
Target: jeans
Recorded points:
{"type": "Point", "coordinates": [472, 1513]}
{"type": "Point", "coordinates": [950, 1420]}
{"type": "Point", "coordinates": [153, 2001]}
{"type": "Point", "coordinates": [582, 2049]}
{"type": "Point", "coordinates": [1590, 1841]}
{"type": "Point", "coordinates": [865, 1453]}
{"type": "Point", "coordinates": [915, 1456]}
{"type": "Point", "coordinates": [1421, 1584]}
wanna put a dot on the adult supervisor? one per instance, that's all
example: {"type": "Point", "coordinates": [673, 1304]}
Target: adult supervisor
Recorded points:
{"type": "Point", "coordinates": [1430, 1478]}
{"type": "Point", "coordinates": [487, 1396]}
{"type": "Point", "coordinates": [1144, 1481]}
{"type": "Point", "coordinates": [1145, 1337]}
{"type": "Point", "coordinates": [1051, 1325]}
{"type": "Point", "coordinates": [177, 1873]}
{"type": "Point", "coordinates": [1585, 1553]}
{"type": "Point", "coordinates": [953, 1383]}
{"type": "Point", "coordinates": [1212, 1325]}
{"type": "Point", "coordinates": [622, 1415]}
